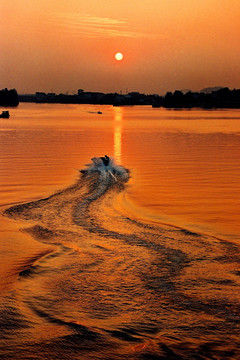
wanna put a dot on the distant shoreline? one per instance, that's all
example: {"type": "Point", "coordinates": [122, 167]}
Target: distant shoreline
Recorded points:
{"type": "Point", "coordinates": [219, 98]}
{"type": "Point", "coordinates": [208, 98]}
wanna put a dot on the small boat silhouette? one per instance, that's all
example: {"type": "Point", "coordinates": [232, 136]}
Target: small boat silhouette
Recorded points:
{"type": "Point", "coordinates": [4, 114]}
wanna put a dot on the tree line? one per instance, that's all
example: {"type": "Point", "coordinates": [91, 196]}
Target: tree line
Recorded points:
{"type": "Point", "coordinates": [222, 98]}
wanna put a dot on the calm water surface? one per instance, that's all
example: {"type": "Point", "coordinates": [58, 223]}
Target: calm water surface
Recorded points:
{"type": "Point", "coordinates": [94, 268]}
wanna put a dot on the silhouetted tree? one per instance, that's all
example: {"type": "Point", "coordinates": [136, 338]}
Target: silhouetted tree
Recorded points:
{"type": "Point", "coordinates": [9, 97]}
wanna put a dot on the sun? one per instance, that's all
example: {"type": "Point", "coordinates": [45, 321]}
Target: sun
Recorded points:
{"type": "Point", "coordinates": [118, 56]}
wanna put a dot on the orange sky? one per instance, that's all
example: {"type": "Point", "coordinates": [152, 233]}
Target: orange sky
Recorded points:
{"type": "Point", "coordinates": [64, 45]}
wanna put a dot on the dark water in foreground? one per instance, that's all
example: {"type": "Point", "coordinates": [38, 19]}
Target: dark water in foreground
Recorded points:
{"type": "Point", "coordinates": [93, 270]}
{"type": "Point", "coordinates": [106, 286]}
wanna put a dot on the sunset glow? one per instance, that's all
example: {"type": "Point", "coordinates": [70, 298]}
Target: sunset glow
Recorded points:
{"type": "Point", "coordinates": [170, 45]}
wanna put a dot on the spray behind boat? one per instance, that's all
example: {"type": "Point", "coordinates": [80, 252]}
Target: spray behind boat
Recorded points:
{"type": "Point", "coordinates": [106, 166]}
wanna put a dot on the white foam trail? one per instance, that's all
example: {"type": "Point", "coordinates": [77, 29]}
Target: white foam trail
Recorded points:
{"type": "Point", "coordinates": [112, 175]}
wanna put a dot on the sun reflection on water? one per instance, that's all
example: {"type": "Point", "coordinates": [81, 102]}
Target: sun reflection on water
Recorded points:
{"type": "Point", "coordinates": [118, 115]}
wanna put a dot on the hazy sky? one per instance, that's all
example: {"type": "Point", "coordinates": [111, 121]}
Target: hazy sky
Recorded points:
{"type": "Point", "coordinates": [64, 45]}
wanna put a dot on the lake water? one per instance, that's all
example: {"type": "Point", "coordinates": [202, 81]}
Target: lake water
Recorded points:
{"type": "Point", "coordinates": [97, 267]}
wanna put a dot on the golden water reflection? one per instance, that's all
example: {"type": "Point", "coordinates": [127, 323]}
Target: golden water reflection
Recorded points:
{"type": "Point", "coordinates": [184, 164]}
{"type": "Point", "coordinates": [118, 116]}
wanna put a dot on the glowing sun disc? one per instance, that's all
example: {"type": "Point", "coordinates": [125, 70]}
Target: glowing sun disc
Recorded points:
{"type": "Point", "coordinates": [118, 56]}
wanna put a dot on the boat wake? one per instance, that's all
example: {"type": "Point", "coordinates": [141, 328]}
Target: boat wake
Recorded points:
{"type": "Point", "coordinates": [113, 286]}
